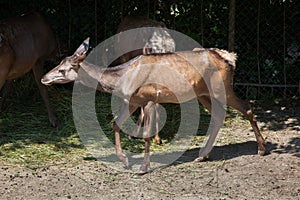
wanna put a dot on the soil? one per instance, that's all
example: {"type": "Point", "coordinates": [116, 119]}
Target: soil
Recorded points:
{"type": "Point", "coordinates": [233, 171]}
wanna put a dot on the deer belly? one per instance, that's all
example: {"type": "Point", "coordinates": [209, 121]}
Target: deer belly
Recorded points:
{"type": "Point", "coordinates": [18, 70]}
{"type": "Point", "coordinates": [162, 94]}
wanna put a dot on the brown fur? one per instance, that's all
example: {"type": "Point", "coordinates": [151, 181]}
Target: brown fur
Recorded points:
{"type": "Point", "coordinates": [26, 42]}
{"type": "Point", "coordinates": [148, 80]}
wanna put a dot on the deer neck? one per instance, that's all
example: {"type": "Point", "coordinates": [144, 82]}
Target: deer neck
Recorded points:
{"type": "Point", "coordinates": [107, 77]}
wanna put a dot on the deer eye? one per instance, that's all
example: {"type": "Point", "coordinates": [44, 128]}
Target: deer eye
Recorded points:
{"type": "Point", "coordinates": [74, 66]}
{"type": "Point", "coordinates": [62, 71]}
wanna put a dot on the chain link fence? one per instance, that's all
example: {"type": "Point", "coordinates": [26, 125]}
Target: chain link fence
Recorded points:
{"type": "Point", "coordinates": [268, 45]}
{"type": "Point", "coordinates": [264, 34]}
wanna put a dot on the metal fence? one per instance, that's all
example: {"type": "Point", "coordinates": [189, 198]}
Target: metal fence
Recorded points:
{"type": "Point", "coordinates": [264, 34]}
{"type": "Point", "coordinates": [267, 40]}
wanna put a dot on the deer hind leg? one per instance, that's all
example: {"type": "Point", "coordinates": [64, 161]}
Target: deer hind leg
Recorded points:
{"type": "Point", "coordinates": [217, 119]}
{"type": "Point", "coordinates": [138, 127]}
{"type": "Point", "coordinates": [245, 108]}
{"type": "Point", "coordinates": [148, 120]}
{"type": "Point", "coordinates": [37, 70]}
{"type": "Point", "coordinates": [156, 138]}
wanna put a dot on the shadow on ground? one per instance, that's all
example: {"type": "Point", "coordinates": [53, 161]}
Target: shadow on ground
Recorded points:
{"type": "Point", "coordinates": [280, 116]}
{"type": "Point", "coordinates": [218, 153]}
{"type": "Point", "coordinates": [231, 151]}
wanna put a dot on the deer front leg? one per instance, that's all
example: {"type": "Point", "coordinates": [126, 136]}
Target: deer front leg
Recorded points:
{"type": "Point", "coordinates": [7, 87]}
{"type": "Point", "coordinates": [37, 70]}
{"type": "Point", "coordinates": [3, 74]}
{"type": "Point", "coordinates": [122, 157]}
{"type": "Point", "coordinates": [125, 112]}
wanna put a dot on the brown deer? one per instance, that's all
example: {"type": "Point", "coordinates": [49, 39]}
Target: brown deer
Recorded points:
{"type": "Point", "coordinates": [159, 41]}
{"type": "Point", "coordinates": [153, 44]}
{"type": "Point", "coordinates": [142, 82]}
{"type": "Point", "coordinates": [25, 43]}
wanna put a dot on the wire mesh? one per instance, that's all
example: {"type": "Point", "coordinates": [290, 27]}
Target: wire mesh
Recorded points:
{"type": "Point", "coordinates": [266, 33]}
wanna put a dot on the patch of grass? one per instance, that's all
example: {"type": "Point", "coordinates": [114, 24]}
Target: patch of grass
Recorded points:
{"type": "Point", "coordinates": [26, 136]}
{"type": "Point", "coordinates": [235, 118]}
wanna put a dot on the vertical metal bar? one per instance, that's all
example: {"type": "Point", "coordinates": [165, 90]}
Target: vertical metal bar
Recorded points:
{"type": "Point", "coordinates": [258, 45]}
{"type": "Point", "coordinates": [202, 24]}
{"type": "Point", "coordinates": [148, 9]}
{"type": "Point", "coordinates": [70, 24]}
{"type": "Point", "coordinates": [231, 34]}
{"type": "Point", "coordinates": [96, 23]}
{"type": "Point", "coordinates": [284, 49]}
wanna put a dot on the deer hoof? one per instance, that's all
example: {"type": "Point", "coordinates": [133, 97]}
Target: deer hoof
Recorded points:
{"type": "Point", "coordinates": [123, 158]}
{"type": "Point", "coordinates": [201, 159]}
{"type": "Point", "coordinates": [262, 149]}
{"type": "Point", "coordinates": [54, 121]}
{"type": "Point", "coordinates": [157, 141]}
{"type": "Point", "coordinates": [261, 152]}
{"type": "Point", "coordinates": [144, 167]}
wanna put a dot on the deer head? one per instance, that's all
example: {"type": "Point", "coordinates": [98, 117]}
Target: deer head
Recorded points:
{"type": "Point", "coordinates": [67, 70]}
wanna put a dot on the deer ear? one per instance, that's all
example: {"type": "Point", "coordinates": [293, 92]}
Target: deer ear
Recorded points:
{"type": "Point", "coordinates": [83, 48]}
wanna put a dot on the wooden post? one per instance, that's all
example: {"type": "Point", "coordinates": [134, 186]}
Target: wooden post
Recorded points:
{"type": "Point", "coordinates": [231, 26]}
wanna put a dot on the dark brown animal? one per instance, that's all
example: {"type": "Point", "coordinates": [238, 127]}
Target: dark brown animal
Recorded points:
{"type": "Point", "coordinates": [189, 74]}
{"type": "Point", "coordinates": [150, 38]}
{"type": "Point", "coordinates": [25, 43]}
{"type": "Point", "coordinates": [154, 41]}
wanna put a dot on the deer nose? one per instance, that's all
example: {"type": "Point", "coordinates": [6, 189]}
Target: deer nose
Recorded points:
{"type": "Point", "coordinates": [45, 81]}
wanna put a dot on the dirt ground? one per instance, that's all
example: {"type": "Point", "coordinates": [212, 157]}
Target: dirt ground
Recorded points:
{"type": "Point", "coordinates": [234, 170]}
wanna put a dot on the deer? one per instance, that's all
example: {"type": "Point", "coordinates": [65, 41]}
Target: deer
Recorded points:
{"type": "Point", "coordinates": [159, 42]}
{"type": "Point", "coordinates": [142, 81]}
{"type": "Point", "coordinates": [152, 44]}
{"type": "Point", "coordinates": [26, 42]}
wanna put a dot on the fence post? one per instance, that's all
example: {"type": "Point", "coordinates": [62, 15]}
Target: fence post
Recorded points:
{"type": "Point", "coordinates": [231, 26]}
